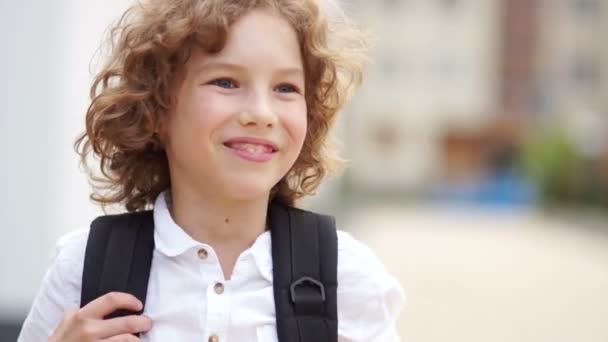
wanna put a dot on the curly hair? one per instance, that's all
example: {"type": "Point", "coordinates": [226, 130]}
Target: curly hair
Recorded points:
{"type": "Point", "coordinates": [149, 45]}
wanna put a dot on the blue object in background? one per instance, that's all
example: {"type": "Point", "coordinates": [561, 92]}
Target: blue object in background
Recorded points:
{"type": "Point", "coordinates": [504, 188]}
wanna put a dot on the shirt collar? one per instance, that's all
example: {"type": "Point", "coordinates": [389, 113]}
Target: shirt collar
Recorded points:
{"type": "Point", "coordinates": [171, 240]}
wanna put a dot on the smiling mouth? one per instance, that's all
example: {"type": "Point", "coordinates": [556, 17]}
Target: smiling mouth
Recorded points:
{"type": "Point", "coordinates": [250, 148]}
{"type": "Point", "coordinates": [253, 152]}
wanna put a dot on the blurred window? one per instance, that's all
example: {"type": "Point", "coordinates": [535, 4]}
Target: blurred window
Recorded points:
{"type": "Point", "coordinates": [584, 72]}
{"type": "Point", "coordinates": [451, 4]}
{"type": "Point", "coordinates": [586, 9]}
{"type": "Point", "coordinates": [444, 68]}
{"type": "Point", "coordinates": [390, 4]}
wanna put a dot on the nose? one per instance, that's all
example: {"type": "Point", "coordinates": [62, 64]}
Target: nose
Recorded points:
{"type": "Point", "coordinates": [258, 111]}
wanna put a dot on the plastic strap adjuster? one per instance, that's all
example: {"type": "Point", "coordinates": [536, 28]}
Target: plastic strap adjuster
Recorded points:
{"type": "Point", "coordinates": [305, 282]}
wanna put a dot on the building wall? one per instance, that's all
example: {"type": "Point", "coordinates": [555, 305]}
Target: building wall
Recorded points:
{"type": "Point", "coordinates": [573, 70]}
{"type": "Point", "coordinates": [434, 66]}
{"type": "Point", "coordinates": [572, 58]}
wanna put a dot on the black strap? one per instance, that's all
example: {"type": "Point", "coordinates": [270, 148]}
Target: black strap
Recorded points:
{"type": "Point", "coordinates": [118, 257]}
{"type": "Point", "coordinates": [304, 249]}
{"type": "Point", "coordinates": [304, 253]}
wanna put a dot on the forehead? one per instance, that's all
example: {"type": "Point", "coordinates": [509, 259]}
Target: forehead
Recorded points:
{"type": "Point", "coordinates": [260, 38]}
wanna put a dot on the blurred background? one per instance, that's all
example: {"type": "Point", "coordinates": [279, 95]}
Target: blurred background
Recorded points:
{"type": "Point", "coordinates": [477, 148]}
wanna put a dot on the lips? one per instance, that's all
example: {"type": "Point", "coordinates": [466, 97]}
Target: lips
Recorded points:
{"type": "Point", "coordinates": [251, 145]}
{"type": "Point", "coordinates": [252, 149]}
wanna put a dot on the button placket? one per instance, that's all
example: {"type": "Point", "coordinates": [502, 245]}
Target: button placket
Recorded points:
{"type": "Point", "coordinates": [217, 295]}
{"type": "Point", "coordinates": [218, 307]}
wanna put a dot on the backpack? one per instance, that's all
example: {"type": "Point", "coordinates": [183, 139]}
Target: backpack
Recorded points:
{"type": "Point", "coordinates": [119, 252]}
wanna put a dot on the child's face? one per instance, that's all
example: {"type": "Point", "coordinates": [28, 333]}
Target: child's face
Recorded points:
{"type": "Point", "coordinates": [252, 89]}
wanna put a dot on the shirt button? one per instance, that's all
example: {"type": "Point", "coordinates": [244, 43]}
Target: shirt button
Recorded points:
{"type": "Point", "coordinates": [214, 338]}
{"type": "Point", "coordinates": [218, 288]}
{"type": "Point", "coordinates": [202, 253]}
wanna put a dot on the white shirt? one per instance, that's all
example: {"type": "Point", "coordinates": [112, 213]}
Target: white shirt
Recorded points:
{"type": "Point", "coordinates": [184, 305]}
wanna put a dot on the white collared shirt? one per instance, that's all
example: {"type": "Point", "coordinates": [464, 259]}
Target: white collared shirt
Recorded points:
{"type": "Point", "coordinates": [189, 300]}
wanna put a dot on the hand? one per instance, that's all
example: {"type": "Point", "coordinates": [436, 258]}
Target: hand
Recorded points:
{"type": "Point", "coordinates": [87, 323]}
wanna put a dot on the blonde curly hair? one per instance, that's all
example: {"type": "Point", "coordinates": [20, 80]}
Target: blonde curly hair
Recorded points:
{"type": "Point", "coordinates": [149, 45]}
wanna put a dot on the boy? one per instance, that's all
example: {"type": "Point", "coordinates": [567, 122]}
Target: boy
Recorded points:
{"type": "Point", "coordinates": [209, 112]}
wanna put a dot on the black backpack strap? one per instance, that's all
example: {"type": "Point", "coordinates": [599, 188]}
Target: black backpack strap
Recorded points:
{"type": "Point", "coordinates": [118, 257]}
{"type": "Point", "coordinates": [305, 259]}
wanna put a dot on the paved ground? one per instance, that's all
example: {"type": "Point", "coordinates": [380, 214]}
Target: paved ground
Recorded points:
{"type": "Point", "coordinates": [480, 276]}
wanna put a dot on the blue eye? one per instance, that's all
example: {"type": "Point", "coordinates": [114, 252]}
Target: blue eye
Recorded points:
{"type": "Point", "coordinates": [224, 83]}
{"type": "Point", "coordinates": [287, 88]}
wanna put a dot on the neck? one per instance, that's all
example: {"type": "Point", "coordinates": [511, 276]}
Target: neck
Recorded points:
{"type": "Point", "coordinates": [216, 221]}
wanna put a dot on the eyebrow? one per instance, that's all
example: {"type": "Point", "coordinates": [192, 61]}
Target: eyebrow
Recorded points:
{"type": "Point", "coordinates": [240, 68]}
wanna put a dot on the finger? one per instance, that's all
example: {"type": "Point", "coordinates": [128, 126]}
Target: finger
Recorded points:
{"type": "Point", "coordinates": [108, 303]}
{"type": "Point", "coordinates": [123, 325]}
{"type": "Point", "coordinates": [122, 338]}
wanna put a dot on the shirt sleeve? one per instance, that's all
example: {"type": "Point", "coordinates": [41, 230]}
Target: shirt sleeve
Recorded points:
{"type": "Point", "coordinates": [60, 289]}
{"type": "Point", "coordinates": [369, 298]}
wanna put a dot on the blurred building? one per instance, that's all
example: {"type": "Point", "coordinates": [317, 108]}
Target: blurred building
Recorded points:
{"type": "Point", "coordinates": [434, 66]}
{"type": "Point", "coordinates": [454, 83]}
{"type": "Point", "coordinates": [571, 73]}
{"type": "Point", "coordinates": [571, 59]}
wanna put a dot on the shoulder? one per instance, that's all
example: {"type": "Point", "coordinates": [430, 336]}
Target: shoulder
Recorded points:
{"type": "Point", "coordinates": [358, 263]}
{"type": "Point", "coordinates": [67, 261]}
{"type": "Point", "coordinates": [60, 288]}
{"type": "Point", "coordinates": [369, 297]}
{"type": "Point", "coordinates": [71, 246]}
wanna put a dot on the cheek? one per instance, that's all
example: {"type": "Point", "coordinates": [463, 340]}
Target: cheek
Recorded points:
{"type": "Point", "coordinates": [296, 123]}
{"type": "Point", "coordinates": [205, 111]}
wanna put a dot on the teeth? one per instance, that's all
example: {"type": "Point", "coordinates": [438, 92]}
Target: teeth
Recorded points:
{"type": "Point", "coordinates": [252, 148]}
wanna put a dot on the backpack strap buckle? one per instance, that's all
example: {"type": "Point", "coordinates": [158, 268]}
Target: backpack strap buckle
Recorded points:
{"type": "Point", "coordinates": [307, 295]}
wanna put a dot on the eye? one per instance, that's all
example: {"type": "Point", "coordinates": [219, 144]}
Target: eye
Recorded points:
{"type": "Point", "coordinates": [287, 88]}
{"type": "Point", "coordinates": [224, 83]}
